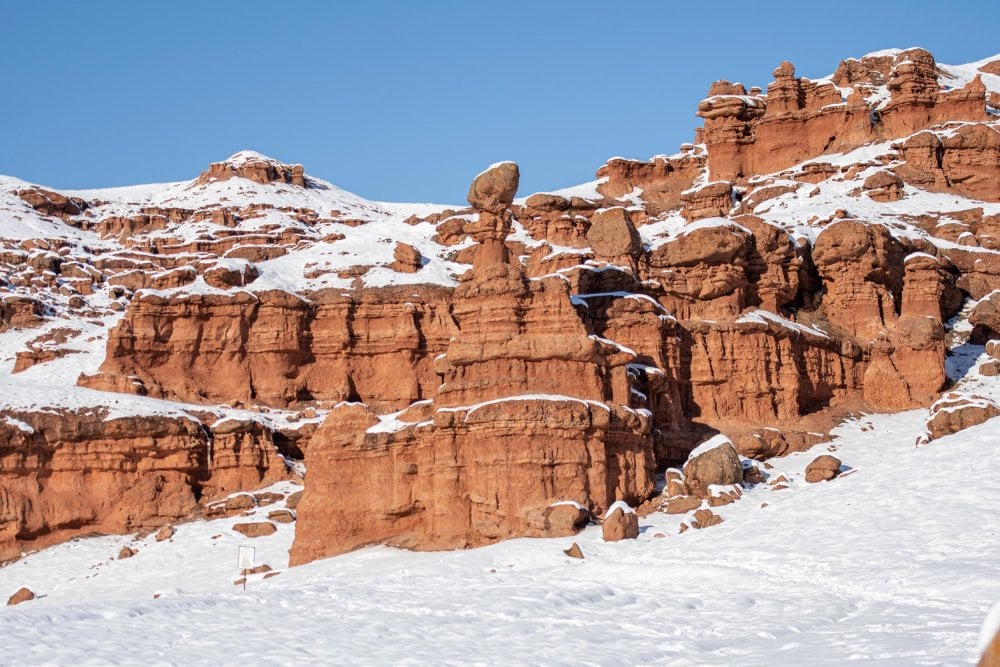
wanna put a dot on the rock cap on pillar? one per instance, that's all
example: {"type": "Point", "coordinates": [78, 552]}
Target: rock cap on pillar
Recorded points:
{"type": "Point", "coordinates": [491, 194]}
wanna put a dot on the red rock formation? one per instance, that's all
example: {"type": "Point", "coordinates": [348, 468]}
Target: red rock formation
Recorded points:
{"type": "Point", "coordinates": [279, 349]}
{"type": "Point", "coordinates": [67, 473]}
{"type": "Point", "coordinates": [532, 410]}
{"type": "Point", "coordinates": [661, 179]}
{"type": "Point", "coordinates": [800, 119]}
{"type": "Point", "coordinates": [254, 167]}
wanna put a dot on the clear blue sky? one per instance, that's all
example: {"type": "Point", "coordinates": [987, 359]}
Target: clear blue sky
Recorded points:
{"type": "Point", "coordinates": [407, 101]}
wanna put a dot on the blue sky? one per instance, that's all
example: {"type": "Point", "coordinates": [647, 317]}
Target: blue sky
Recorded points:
{"type": "Point", "coordinates": [407, 101]}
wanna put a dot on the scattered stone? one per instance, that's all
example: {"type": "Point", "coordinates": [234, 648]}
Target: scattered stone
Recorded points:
{"type": "Point", "coordinates": [822, 468]}
{"type": "Point", "coordinates": [281, 516]}
{"type": "Point", "coordinates": [164, 533]}
{"type": "Point", "coordinates": [22, 594]}
{"type": "Point", "coordinates": [256, 528]}
{"type": "Point", "coordinates": [955, 412]}
{"type": "Point", "coordinates": [563, 519]}
{"type": "Point", "coordinates": [990, 368]}
{"type": "Point", "coordinates": [574, 551]}
{"type": "Point", "coordinates": [660, 535]}
{"type": "Point", "coordinates": [126, 552]}
{"type": "Point", "coordinates": [268, 498]}
{"type": "Point", "coordinates": [240, 502]}
{"type": "Point", "coordinates": [675, 483]}
{"type": "Point", "coordinates": [620, 523]}
{"type": "Point", "coordinates": [271, 574]}
{"type": "Point", "coordinates": [683, 504]}
{"type": "Point", "coordinates": [260, 569]}
{"type": "Point", "coordinates": [705, 518]}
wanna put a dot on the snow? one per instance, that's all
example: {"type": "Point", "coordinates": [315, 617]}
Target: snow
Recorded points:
{"type": "Point", "coordinates": [991, 627]}
{"type": "Point", "coordinates": [766, 316]}
{"type": "Point", "coordinates": [716, 441]}
{"type": "Point", "coordinates": [619, 505]}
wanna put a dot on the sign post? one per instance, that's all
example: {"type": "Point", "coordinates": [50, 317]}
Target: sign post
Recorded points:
{"type": "Point", "coordinates": [246, 562]}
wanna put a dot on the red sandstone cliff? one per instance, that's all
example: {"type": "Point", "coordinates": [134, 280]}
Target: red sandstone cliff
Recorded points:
{"type": "Point", "coordinates": [474, 367]}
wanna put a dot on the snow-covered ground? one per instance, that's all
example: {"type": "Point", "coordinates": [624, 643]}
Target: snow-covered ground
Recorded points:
{"type": "Point", "coordinates": [891, 564]}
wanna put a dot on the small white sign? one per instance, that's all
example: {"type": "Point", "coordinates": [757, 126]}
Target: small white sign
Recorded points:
{"type": "Point", "coordinates": [246, 558]}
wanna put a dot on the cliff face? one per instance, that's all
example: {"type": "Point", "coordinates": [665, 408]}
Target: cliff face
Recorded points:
{"type": "Point", "coordinates": [467, 370]}
{"type": "Point", "coordinates": [69, 473]}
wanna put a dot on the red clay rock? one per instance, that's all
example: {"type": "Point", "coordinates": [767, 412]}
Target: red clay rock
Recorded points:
{"type": "Point", "coordinates": [281, 516]}
{"type": "Point", "coordinates": [22, 594]}
{"type": "Point", "coordinates": [682, 504]}
{"type": "Point", "coordinates": [494, 189]}
{"type": "Point", "coordinates": [705, 518]}
{"type": "Point", "coordinates": [956, 412]}
{"type": "Point", "coordinates": [822, 468]}
{"type": "Point", "coordinates": [713, 463]}
{"type": "Point", "coordinates": [621, 523]}
{"type": "Point", "coordinates": [406, 259]}
{"type": "Point", "coordinates": [255, 528]}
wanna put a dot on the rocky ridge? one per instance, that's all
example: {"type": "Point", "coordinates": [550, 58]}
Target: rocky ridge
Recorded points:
{"type": "Point", "coordinates": [450, 376]}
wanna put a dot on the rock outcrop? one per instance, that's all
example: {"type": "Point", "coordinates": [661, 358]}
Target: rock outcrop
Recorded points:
{"type": "Point", "coordinates": [66, 473]}
{"type": "Point", "coordinates": [532, 409]}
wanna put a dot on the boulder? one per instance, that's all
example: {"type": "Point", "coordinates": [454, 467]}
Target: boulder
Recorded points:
{"type": "Point", "coordinates": [574, 551]}
{"type": "Point", "coordinates": [281, 516]}
{"type": "Point", "coordinates": [493, 190]}
{"type": "Point", "coordinates": [565, 518]}
{"type": "Point", "coordinates": [683, 504]}
{"type": "Point", "coordinates": [714, 462]}
{"type": "Point", "coordinates": [126, 552]}
{"type": "Point", "coordinates": [406, 258]}
{"type": "Point", "coordinates": [955, 412]}
{"type": "Point", "coordinates": [822, 468]}
{"type": "Point", "coordinates": [256, 528]}
{"type": "Point", "coordinates": [164, 533]}
{"type": "Point", "coordinates": [620, 523]}
{"type": "Point", "coordinates": [612, 234]}
{"type": "Point", "coordinates": [21, 595]}
{"type": "Point", "coordinates": [705, 518]}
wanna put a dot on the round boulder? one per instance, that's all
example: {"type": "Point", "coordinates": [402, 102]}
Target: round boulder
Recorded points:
{"type": "Point", "coordinates": [713, 462]}
{"type": "Point", "coordinates": [494, 189]}
{"type": "Point", "coordinates": [822, 468]}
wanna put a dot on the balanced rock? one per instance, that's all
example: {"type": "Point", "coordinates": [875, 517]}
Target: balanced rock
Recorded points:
{"type": "Point", "coordinates": [21, 595]}
{"type": "Point", "coordinates": [620, 523]}
{"type": "Point", "coordinates": [822, 468]}
{"type": "Point", "coordinates": [493, 190]}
